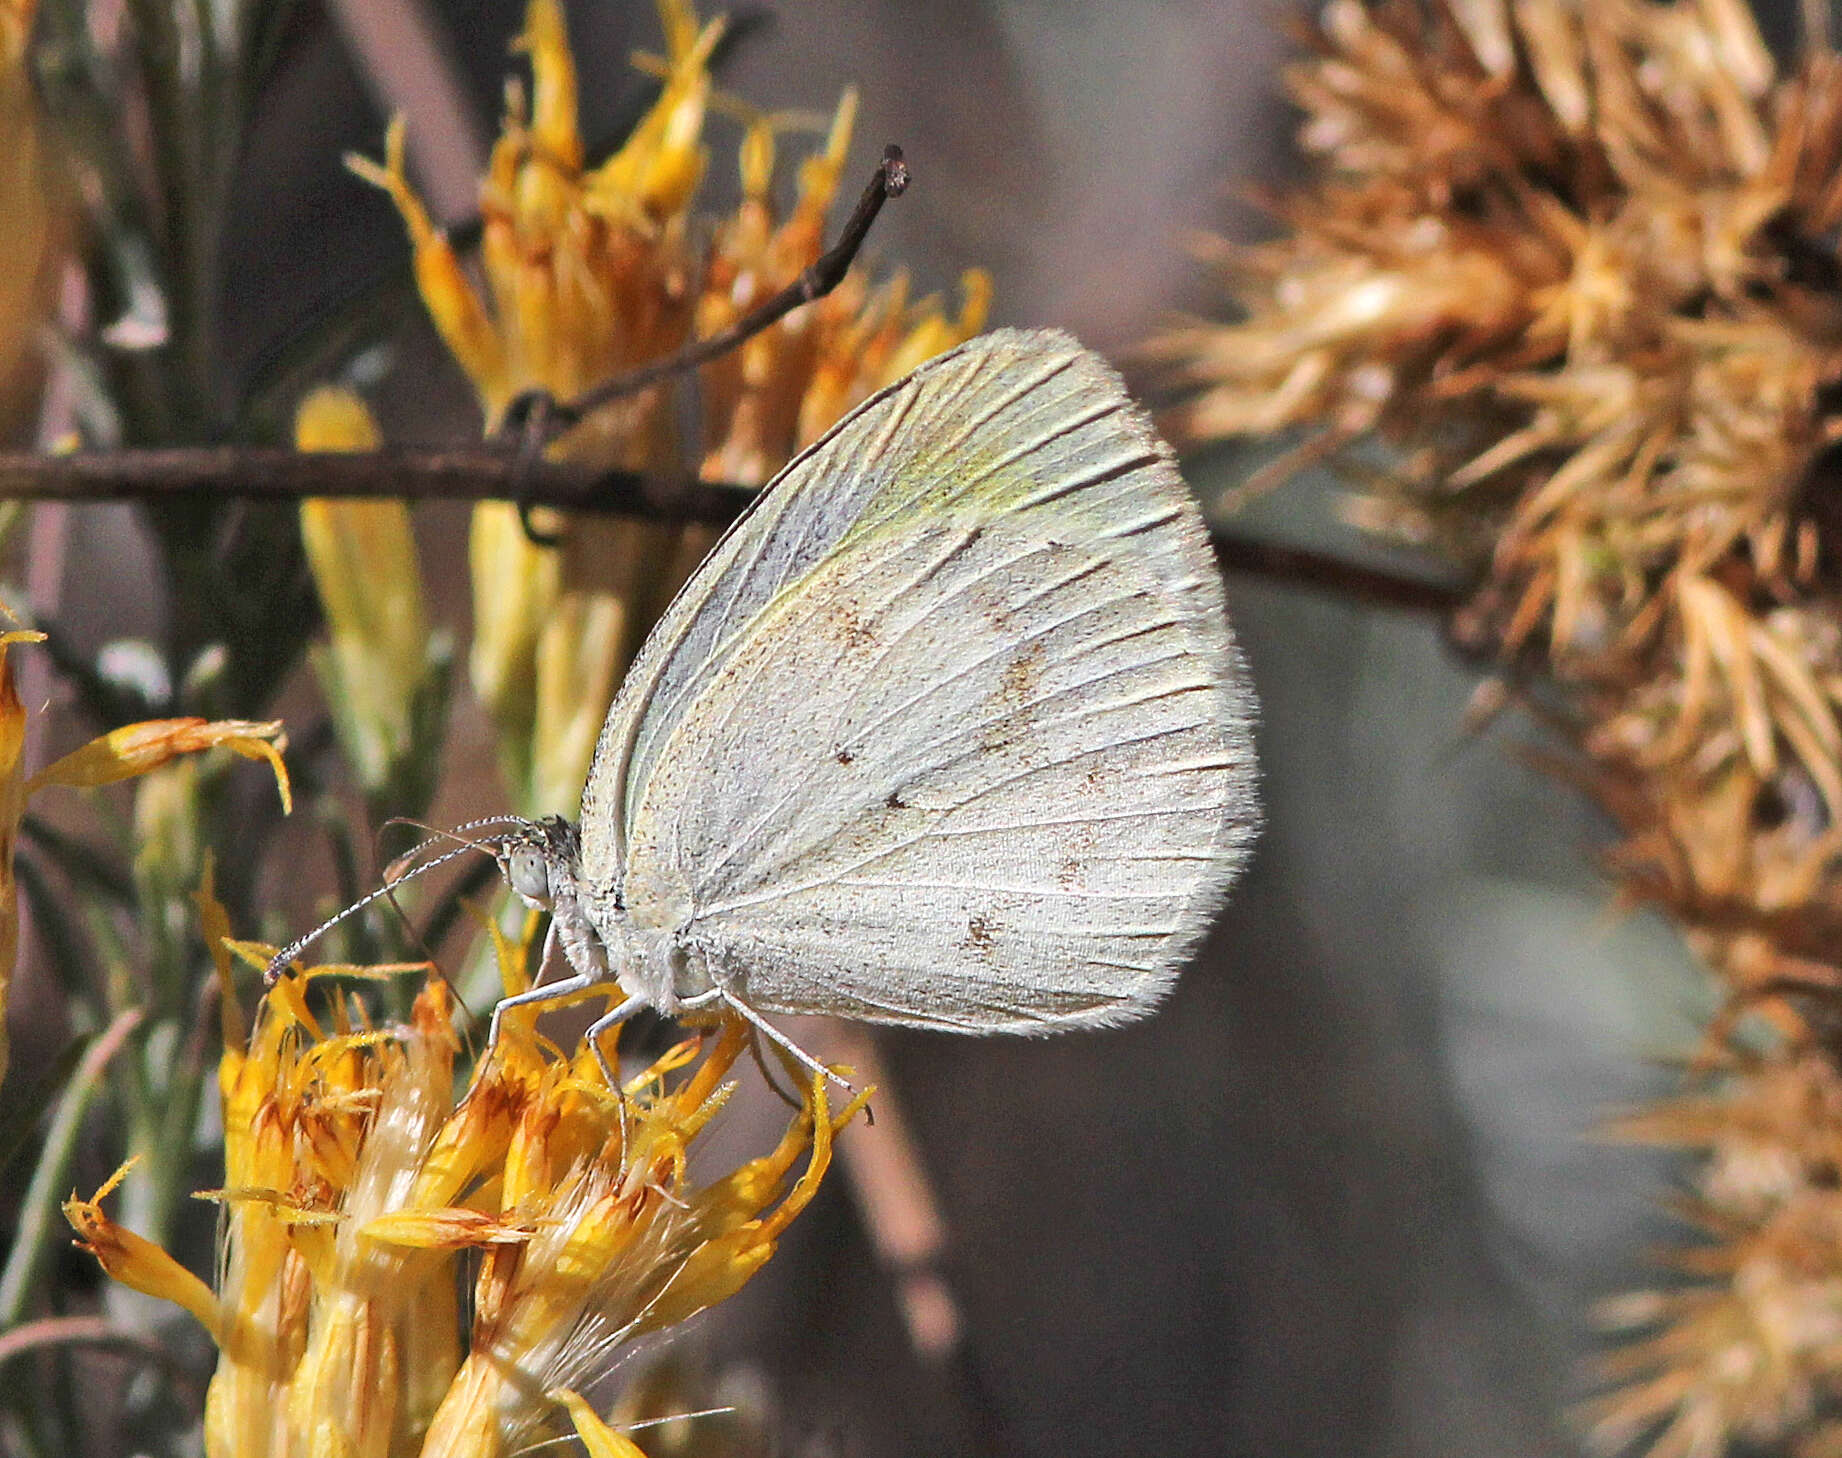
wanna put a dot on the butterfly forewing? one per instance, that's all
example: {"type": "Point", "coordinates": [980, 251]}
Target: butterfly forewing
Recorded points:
{"type": "Point", "coordinates": [950, 731]}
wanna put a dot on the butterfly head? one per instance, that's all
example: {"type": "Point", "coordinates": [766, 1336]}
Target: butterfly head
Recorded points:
{"type": "Point", "coordinates": [541, 863]}
{"type": "Point", "coordinates": [538, 860]}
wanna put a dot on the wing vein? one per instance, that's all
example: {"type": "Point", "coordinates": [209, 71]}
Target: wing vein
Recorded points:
{"type": "Point", "coordinates": [1076, 893]}
{"type": "Point", "coordinates": [763, 898]}
{"type": "Point", "coordinates": [975, 422]}
{"type": "Point", "coordinates": [795, 788]}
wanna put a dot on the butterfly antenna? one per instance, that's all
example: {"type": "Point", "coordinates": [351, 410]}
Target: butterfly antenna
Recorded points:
{"type": "Point", "coordinates": [433, 833]}
{"type": "Point", "coordinates": [397, 870]}
{"type": "Point", "coordinates": [435, 830]}
{"type": "Point", "coordinates": [287, 954]}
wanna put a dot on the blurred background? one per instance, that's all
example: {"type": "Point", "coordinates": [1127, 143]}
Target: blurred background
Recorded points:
{"type": "Point", "coordinates": [1342, 1195]}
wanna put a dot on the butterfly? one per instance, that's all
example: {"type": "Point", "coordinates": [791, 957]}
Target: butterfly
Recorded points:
{"type": "Point", "coordinates": [948, 731]}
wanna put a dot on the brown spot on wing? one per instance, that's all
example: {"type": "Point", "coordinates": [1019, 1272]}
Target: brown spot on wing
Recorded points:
{"type": "Point", "coordinates": [981, 935]}
{"type": "Point", "coordinates": [1083, 841]}
{"type": "Point", "coordinates": [1022, 673]}
{"type": "Point", "coordinates": [1017, 685]}
{"type": "Point", "coordinates": [844, 620]}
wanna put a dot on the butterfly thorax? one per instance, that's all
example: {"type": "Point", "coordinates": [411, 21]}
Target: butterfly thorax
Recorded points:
{"type": "Point", "coordinates": [642, 948]}
{"type": "Point", "coordinates": [648, 920]}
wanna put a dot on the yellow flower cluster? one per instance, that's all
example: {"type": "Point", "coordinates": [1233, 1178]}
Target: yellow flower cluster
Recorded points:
{"type": "Point", "coordinates": [592, 270]}
{"type": "Point", "coordinates": [359, 1192]}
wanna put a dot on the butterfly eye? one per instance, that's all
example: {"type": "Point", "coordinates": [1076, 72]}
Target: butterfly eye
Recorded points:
{"type": "Point", "coordinates": [529, 874]}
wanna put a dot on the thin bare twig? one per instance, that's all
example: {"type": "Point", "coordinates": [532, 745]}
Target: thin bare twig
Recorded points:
{"type": "Point", "coordinates": [512, 469]}
{"type": "Point", "coordinates": [96, 1332]}
{"type": "Point", "coordinates": [902, 1219]}
{"type": "Point", "coordinates": [486, 473]}
{"type": "Point", "coordinates": [458, 473]}
{"type": "Point", "coordinates": [1375, 586]}
{"type": "Point", "coordinates": [901, 1213]}
{"type": "Point", "coordinates": [408, 65]}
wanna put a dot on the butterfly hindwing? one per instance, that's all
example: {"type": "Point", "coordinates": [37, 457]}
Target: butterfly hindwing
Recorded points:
{"type": "Point", "coordinates": [950, 731]}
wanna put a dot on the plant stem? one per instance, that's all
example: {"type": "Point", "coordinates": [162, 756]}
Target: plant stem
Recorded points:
{"type": "Point", "coordinates": [488, 473]}
{"type": "Point", "coordinates": [38, 1211]}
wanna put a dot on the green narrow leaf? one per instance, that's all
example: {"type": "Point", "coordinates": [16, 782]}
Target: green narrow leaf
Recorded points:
{"type": "Point", "coordinates": [79, 860]}
{"type": "Point", "coordinates": [20, 1112]}
{"type": "Point", "coordinates": [39, 1221]}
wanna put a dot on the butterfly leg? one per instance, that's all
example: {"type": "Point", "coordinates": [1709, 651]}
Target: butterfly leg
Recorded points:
{"type": "Point", "coordinates": [772, 1033]}
{"type": "Point", "coordinates": [606, 1023]}
{"type": "Point", "coordinates": [553, 992]}
{"type": "Point", "coordinates": [552, 940]}
{"type": "Point", "coordinates": [768, 1076]}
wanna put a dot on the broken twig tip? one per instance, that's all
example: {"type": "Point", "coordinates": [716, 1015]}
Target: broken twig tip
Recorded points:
{"type": "Point", "coordinates": [896, 175]}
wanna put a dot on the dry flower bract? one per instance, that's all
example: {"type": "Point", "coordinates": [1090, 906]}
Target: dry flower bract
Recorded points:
{"type": "Point", "coordinates": [405, 1272]}
{"type": "Point", "coordinates": [1561, 294]}
{"type": "Point", "coordinates": [384, 672]}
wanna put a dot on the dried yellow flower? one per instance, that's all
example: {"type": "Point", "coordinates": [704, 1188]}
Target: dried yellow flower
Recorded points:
{"type": "Point", "coordinates": [379, 668]}
{"type": "Point", "coordinates": [593, 271]}
{"type": "Point", "coordinates": [1561, 257]}
{"type": "Point", "coordinates": [135, 749]}
{"type": "Point", "coordinates": [1751, 1346]}
{"type": "Point", "coordinates": [356, 1185]}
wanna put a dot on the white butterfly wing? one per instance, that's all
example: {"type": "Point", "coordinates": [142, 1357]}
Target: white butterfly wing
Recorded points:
{"type": "Point", "coordinates": [949, 730]}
